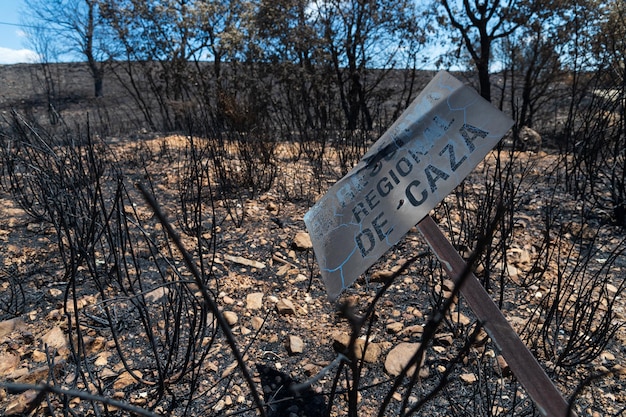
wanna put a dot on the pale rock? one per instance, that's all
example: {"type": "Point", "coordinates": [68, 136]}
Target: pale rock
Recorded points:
{"type": "Point", "coordinates": [254, 301]}
{"type": "Point", "coordinates": [41, 374]}
{"type": "Point", "coordinates": [444, 339]}
{"type": "Point", "coordinates": [302, 241]}
{"type": "Point", "coordinates": [518, 256]}
{"type": "Point", "coordinates": [8, 362]}
{"type": "Point", "coordinates": [157, 294]}
{"type": "Point", "coordinates": [18, 374]}
{"type": "Point", "coordinates": [97, 345]}
{"type": "Point", "coordinates": [414, 329]}
{"type": "Point", "coordinates": [231, 317]}
{"type": "Point", "coordinates": [310, 369]}
{"type": "Point", "coordinates": [301, 278]}
{"type": "Point", "coordinates": [398, 358]}
{"type": "Point", "coordinates": [460, 318]}
{"type": "Point", "coordinates": [244, 261]}
{"type": "Point", "coordinates": [528, 139]}
{"type": "Point", "coordinates": [21, 403]}
{"type": "Point", "coordinates": [468, 378]}
{"type": "Point", "coordinates": [103, 358]}
{"type": "Point", "coordinates": [125, 379]}
{"type": "Point", "coordinates": [513, 273]}
{"type": "Point", "coordinates": [257, 322]}
{"type": "Point", "coordinates": [107, 373]}
{"type": "Point", "coordinates": [503, 368]}
{"type": "Point", "coordinates": [54, 292]}
{"type": "Point", "coordinates": [369, 352]}
{"type": "Point", "coordinates": [440, 349]}
{"type": "Point", "coordinates": [285, 307]}
{"type": "Point", "coordinates": [7, 326]}
{"type": "Point", "coordinates": [38, 356]}
{"type": "Point", "coordinates": [381, 275]}
{"type": "Point", "coordinates": [394, 327]}
{"type": "Point", "coordinates": [55, 314]}
{"type": "Point", "coordinates": [294, 344]}
{"type": "Point", "coordinates": [481, 338]}
{"type": "Point", "coordinates": [55, 338]}
{"type": "Point", "coordinates": [448, 285]}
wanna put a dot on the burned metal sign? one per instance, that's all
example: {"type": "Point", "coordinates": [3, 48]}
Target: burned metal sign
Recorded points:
{"type": "Point", "coordinates": [426, 153]}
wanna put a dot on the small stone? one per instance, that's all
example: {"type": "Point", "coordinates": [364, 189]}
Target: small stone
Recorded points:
{"type": "Point", "coordinates": [381, 275]}
{"type": "Point", "coordinates": [157, 294]}
{"type": "Point", "coordinates": [254, 301]}
{"type": "Point", "coordinates": [257, 322]}
{"type": "Point", "coordinates": [102, 359]}
{"type": "Point", "coordinates": [481, 338]}
{"type": "Point", "coordinates": [448, 285]}
{"type": "Point", "coordinates": [9, 361]}
{"type": "Point", "coordinates": [518, 256]}
{"type": "Point", "coordinates": [125, 379]}
{"type": "Point", "coordinates": [513, 273]}
{"type": "Point", "coordinates": [38, 356]}
{"type": "Point", "coordinates": [444, 339]}
{"type": "Point", "coordinates": [21, 403]}
{"type": "Point", "coordinates": [468, 378]}
{"type": "Point", "coordinates": [310, 369]}
{"type": "Point", "coordinates": [398, 358]}
{"type": "Point", "coordinates": [414, 329]}
{"type": "Point", "coordinates": [285, 307]}
{"type": "Point", "coordinates": [503, 367]}
{"type": "Point", "coordinates": [54, 292]}
{"type": "Point", "coordinates": [295, 345]}
{"type": "Point", "coordinates": [302, 241]}
{"type": "Point", "coordinates": [369, 353]}
{"type": "Point", "coordinates": [7, 326]}
{"type": "Point", "coordinates": [460, 318]}
{"type": "Point", "coordinates": [55, 338]}
{"type": "Point", "coordinates": [244, 261]}
{"type": "Point", "coordinates": [394, 327]}
{"type": "Point", "coordinates": [231, 317]}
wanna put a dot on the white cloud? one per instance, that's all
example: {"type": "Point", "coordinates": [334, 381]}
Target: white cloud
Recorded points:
{"type": "Point", "coordinates": [16, 56]}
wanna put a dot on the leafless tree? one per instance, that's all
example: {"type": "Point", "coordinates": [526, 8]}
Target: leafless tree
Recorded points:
{"type": "Point", "coordinates": [76, 28]}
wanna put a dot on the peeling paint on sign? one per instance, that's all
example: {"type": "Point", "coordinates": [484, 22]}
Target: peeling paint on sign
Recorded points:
{"type": "Point", "coordinates": [427, 152]}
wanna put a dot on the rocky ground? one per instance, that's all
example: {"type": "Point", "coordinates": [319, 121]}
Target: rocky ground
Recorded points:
{"type": "Point", "coordinates": [264, 277]}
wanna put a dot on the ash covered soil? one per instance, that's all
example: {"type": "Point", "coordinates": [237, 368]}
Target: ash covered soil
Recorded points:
{"type": "Point", "coordinates": [144, 338]}
{"type": "Point", "coordinates": [266, 283]}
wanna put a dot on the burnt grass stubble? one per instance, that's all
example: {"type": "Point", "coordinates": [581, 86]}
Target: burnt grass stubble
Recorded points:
{"type": "Point", "coordinates": [83, 251]}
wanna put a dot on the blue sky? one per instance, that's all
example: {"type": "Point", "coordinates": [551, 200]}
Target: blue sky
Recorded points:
{"type": "Point", "coordinates": [13, 45]}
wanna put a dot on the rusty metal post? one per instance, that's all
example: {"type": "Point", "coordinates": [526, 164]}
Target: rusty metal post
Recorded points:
{"type": "Point", "coordinates": [523, 364]}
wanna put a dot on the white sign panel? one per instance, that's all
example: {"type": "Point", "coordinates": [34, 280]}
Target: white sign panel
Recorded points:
{"type": "Point", "coordinates": [426, 153]}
